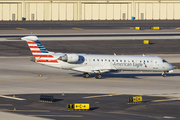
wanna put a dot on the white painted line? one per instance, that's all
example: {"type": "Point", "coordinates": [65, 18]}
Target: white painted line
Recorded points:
{"type": "Point", "coordinates": [56, 115]}
{"type": "Point", "coordinates": [25, 110]}
{"type": "Point", "coordinates": [168, 117]}
{"type": "Point", "coordinates": [15, 98]}
{"type": "Point", "coordinates": [101, 96]}
{"type": "Point", "coordinates": [155, 32]}
{"type": "Point", "coordinates": [166, 100]}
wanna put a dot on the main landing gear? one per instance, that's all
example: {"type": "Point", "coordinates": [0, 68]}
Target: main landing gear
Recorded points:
{"type": "Point", "coordinates": [98, 76]}
{"type": "Point", "coordinates": [85, 75]}
{"type": "Point", "coordinates": [164, 74]}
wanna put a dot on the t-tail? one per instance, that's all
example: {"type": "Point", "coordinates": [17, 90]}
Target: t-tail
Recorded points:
{"type": "Point", "coordinates": [40, 53]}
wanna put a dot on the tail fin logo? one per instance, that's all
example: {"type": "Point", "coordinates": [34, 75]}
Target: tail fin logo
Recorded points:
{"type": "Point", "coordinates": [39, 51]}
{"type": "Point", "coordinates": [37, 47]}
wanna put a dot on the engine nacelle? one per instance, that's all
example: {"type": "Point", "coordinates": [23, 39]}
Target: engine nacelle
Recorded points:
{"type": "Point", "coordinates": [69, 58]}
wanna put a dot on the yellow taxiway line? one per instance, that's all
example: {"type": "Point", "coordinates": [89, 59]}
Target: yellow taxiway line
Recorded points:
{"type": "Point", "coordinates": [102, 96]}
{"type": "Point", "coordinates": [15, 98]}
{"type": "Point", "coordinates": [177, 28]}
{"type": "Point", "coordinates": [21, 28]}
{"type": "Point", "coordinates": [77, 28]}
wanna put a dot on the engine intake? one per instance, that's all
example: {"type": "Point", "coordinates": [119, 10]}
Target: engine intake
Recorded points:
{"type": "Point", "coordinates": [69, 58]}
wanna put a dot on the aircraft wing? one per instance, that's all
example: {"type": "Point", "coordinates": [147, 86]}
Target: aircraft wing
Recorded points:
{"type": "Point", "coordinates": [105, 67]}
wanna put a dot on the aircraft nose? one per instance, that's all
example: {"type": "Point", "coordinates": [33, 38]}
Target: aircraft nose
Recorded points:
{"type": "Point", "coordinates": [171, 67]}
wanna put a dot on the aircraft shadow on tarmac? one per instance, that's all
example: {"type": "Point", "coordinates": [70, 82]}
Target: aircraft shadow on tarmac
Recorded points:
{"type": "Point", "coordinates": [93, 108]}
{"type": "Point", "coordinates": [57, 100]}
{"type": "Point", "coordinates": [111, 75]}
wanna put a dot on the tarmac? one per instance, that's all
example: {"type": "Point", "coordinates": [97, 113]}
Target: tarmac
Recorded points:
{"type": "Point", "coordinates": [108, 96]}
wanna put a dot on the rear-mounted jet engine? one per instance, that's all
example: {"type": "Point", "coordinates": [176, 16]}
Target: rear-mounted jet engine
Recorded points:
{"type": "Point", "coordinates": [69, 58]}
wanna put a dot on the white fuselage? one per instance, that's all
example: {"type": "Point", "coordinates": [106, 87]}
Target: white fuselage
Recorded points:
{"type": "Point", "coordinates": [104, 63]}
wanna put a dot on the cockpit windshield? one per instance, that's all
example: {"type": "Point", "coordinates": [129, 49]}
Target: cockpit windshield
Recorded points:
{"type": "Point", "coordinates": [164, 60]}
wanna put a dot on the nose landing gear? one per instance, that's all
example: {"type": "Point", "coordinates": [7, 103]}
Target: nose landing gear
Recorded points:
{"type": "Point", "coordinates": [164, 74]}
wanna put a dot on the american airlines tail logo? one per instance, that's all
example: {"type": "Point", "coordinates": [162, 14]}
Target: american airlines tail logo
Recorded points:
{"type": "Point", "coordinates": [145, 64]}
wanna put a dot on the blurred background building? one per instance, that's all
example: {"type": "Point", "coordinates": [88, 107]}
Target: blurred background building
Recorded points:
{"type": "Point", "coordinates": [57, 10]}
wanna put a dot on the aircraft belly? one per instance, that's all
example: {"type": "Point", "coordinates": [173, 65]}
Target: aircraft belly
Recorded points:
{"type": "Point", "coordinates": [65, 65]}
{"type": "Point", "coordinates": [131, 68]}
{"type": "Point", "coordinates": [55, 65]}
{"type": "Point", "coordinates": [87, 69]}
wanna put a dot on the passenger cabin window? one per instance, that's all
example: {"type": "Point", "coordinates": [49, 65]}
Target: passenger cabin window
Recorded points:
{"type": "Point", "coordinates": [109, 61]}
{"type": "Point", "coordinates": [164, 61]}
{"type": "Point", "coordinates": [124, 60]}
{"type": "Point", "coordinates": [113, 60]}
{"type": "Point", "coordinates": [120, 60]}
{"type": "Point", "coordinates": [97, 59]}
{"type": "Point", "coordinates": [93, 59]}
{"type": "Point", "coordinates": [147, 61]}
{"type": "Point", "coordinates": [105, 59]}
{"type": "Point", "coordinates": [101, 59]}
{"type": "Point", "coordinates": [116, 60]}
{"type": "Point", "coordinates": [132, 60]}
{"type": "Point", "coordinates": [140, 61]}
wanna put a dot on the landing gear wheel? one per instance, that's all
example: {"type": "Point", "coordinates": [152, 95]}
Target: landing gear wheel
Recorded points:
{"type": "Point", "coordinates": [85, 75]}
{"type": "Point", "coordinates": [98, 76]}
{"type": "Point", "coordinates": [164, 74]}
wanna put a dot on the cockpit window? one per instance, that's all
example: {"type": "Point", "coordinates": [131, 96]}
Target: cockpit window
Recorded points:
{"type": "Point", "coordinates": [164, 60]}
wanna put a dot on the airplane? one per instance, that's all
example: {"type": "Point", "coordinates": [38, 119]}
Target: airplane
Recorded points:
{"type": "Point", "coordinates": [90, 64]}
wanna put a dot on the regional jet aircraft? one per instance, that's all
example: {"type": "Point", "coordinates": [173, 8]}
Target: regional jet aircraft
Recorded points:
{"type": "Point", "coordinates": [88, 63]}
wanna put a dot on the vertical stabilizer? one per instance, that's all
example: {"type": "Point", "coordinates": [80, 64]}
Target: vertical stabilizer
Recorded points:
{"type": "Point", "coordinates": [40, 53]}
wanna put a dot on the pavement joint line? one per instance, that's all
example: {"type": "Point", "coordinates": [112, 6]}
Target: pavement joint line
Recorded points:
{"type": "Point", "coordinates": [15, 98]}
{"type": "Point", "coordinates": [5, 104]}
{"type": "Point", "coordinates": [25, 110]}
{"type": "Point", "coordinates": [125, 113]}
{"type": "Point", "coordinates": [38, 75]}
{"type": "Point", "coordinates": [162, 94]}
{"type": "Point", "coordinates": [56, 115]}
{"type": "Point", "coordinates": [102, 96]}
{"type": "Point", "coordinates": [15, 57]}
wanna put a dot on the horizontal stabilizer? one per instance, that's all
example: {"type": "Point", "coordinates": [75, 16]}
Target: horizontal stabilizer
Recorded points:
{"type": "Point", "coordinates": [30, 38]}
